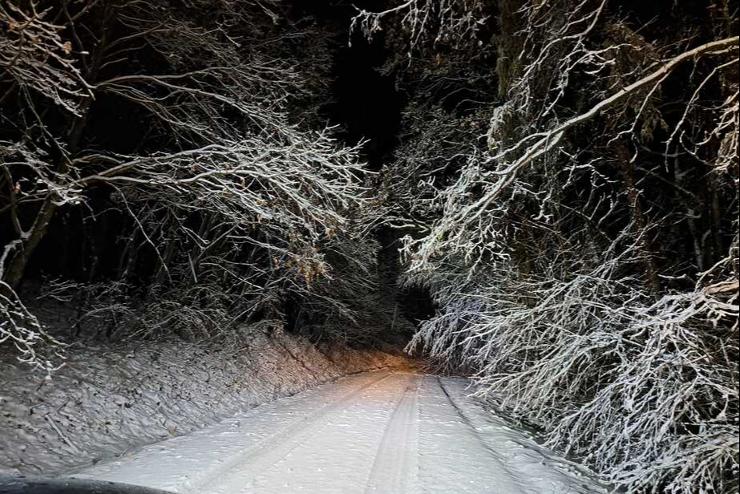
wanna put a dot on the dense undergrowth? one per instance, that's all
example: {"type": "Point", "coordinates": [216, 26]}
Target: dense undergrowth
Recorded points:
{"type": "Point", "coordinates": [565, 184]}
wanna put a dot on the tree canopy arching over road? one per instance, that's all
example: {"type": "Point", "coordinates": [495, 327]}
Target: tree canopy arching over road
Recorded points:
{"type": "Point", "coordinates": [550, 204]}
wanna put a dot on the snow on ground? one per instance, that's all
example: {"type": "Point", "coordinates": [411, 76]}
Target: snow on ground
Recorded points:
{"type": "Point", "coordinates": [382, 432]}
{"type": "Point", "coordinates": [116, 397]}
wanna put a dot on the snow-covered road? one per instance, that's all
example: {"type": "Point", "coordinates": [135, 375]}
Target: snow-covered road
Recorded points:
{"type": "Point", "coordinates": [386, 432]}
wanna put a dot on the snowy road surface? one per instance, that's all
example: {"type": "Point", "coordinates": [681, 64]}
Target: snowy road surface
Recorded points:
{"type": "Point", "coordinates": [386, 432]}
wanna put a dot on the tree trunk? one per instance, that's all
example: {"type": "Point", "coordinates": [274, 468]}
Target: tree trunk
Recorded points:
{"type": "Point", "coordinates": [19, 260]}
{"type": "Point", "coordinates": [638, 217]}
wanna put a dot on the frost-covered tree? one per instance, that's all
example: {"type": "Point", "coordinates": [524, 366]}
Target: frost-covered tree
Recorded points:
{"type": "Point", "coordinates": [186, 128]}
{"type": "Point", "coordinates": [567, 184]}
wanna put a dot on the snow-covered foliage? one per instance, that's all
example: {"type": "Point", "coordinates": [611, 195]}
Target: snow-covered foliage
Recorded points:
{"type": "Point", "coordinates": [20, 328]}
{"type": "Point", "coordinates": [34, 56]}
{"type": "Point", "coordinates": [643, 390]}
{"type": "Point", "coordinates": [575, 223]}
{"type": "Point", "coordinates": [427, 21]}
{"type": "Point", "coordinates": [192, 137]}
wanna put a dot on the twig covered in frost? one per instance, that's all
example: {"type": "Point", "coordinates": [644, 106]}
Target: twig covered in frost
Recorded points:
{"type": "Point", "coordinates": [20, 328]}
{"type": "Point", "coordinates": [435, 21]}
{"type": "Point", "coordinates": [35, 56]}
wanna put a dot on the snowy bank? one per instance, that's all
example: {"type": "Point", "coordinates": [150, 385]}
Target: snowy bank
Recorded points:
{"type": "Point", "coordinates": [109, 399]}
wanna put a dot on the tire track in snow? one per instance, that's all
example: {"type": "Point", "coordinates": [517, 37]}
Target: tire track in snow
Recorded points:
{"type": "Point", "coordinates": [395, 467]}
{"type": "Point", "coordinates": [521, 460]}
{"type": "Point", "coordinates": [509, 479]}
{"type": "Point", "coordinates": [230, 476]}
{"type": "Point", "coordinates": [383, 433]}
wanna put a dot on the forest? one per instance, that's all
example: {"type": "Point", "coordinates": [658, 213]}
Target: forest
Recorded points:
{"type": "Point", "coordinates": [540, 194]}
